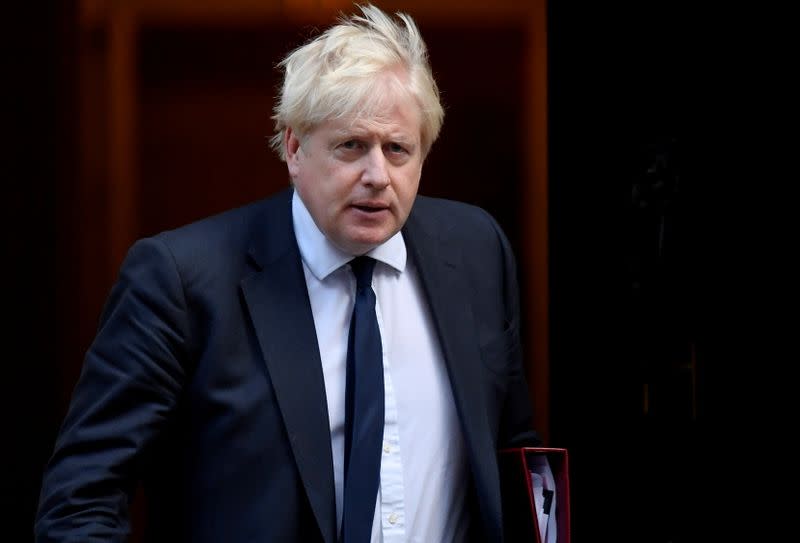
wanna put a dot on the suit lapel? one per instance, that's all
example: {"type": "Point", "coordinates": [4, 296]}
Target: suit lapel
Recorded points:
{"type": "Point", "coordinates": [440, 269]}
{"type": "Point", "coordinates": [277, 298]}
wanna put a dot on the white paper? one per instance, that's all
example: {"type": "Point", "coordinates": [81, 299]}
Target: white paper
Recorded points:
{"type": "Point", "coordinates": [542, 479]}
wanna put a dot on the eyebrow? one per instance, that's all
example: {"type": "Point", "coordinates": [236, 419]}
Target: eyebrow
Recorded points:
{"type": "Point", "coordinates": [360, 133]}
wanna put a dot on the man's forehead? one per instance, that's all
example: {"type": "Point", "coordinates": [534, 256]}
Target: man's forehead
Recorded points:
{"type": "Point", "coordinates": [368, 126]}
{"type": "Point", "coordinates": [386, 114]}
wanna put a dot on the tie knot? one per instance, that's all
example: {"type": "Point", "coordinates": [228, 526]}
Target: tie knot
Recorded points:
{"type": "Point", "coordinates": [363, 267]}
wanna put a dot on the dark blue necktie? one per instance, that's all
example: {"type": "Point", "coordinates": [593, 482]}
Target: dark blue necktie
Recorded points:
{"type": "Point", "coordinates": [363, 410]}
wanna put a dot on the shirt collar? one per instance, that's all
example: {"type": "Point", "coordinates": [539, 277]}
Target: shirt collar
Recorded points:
{"type": "Point", "coordinates": [323, 258]}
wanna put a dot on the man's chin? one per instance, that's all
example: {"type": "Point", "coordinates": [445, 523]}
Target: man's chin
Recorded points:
{"type": "Point", "coordinates": [363, 243]}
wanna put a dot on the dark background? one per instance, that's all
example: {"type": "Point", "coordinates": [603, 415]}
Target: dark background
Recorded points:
{"type": "Point", "coordinates": [641, 354]}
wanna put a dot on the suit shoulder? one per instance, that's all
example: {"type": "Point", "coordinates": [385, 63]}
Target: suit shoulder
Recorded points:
{"type": "Point", "coordinates": [429, 204]}
{"type": "Point", "coordinates": [219, 242]}
{"type": "Point", "coordinates": [225, 230]}
{"type": "Point", "coordinates": [456, 219]}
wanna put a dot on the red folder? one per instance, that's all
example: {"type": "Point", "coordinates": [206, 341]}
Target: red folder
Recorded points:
{"type": "Point", "coordinates": [519, 514]}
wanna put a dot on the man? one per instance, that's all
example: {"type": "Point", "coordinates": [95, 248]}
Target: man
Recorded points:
{"type": "Point", "coordinates": [227, 375]}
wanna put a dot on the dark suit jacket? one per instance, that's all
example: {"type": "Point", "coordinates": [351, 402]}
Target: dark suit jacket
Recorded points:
{"type": "Point", "coordinates": [205, 383]}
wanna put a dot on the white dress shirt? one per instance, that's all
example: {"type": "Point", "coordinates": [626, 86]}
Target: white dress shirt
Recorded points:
{"type": "Point", "coordinates": [423, 467]}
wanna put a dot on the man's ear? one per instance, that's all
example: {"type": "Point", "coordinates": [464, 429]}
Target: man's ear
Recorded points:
{"type": "Point", "coordinates": [292, 145]}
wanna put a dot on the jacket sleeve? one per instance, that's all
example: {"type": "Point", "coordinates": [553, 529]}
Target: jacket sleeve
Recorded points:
{"type": "Point", "coordinates": [516, 416]}
{"type": "Point", "coordinates": [131, 378]}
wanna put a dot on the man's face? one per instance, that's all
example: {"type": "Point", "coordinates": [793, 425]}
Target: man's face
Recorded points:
{"type": "Point", "coordinates": [359, 177]}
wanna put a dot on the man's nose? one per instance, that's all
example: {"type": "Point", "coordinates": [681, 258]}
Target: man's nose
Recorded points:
{"type": "Point", "coordinates": [376, 168]}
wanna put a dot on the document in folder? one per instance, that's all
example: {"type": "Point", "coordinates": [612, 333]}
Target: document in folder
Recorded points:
{"type": "Point", "coordinates": [535, 488]}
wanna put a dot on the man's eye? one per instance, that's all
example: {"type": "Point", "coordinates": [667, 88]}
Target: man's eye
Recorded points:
{"type": "Point", "coordinates": [396, 148]}
{"type": "Point", "coordinates": [349, 144]}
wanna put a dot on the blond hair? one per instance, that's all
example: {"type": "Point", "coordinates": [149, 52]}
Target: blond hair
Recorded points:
{"type": "Point", "coordinates": [336, 75]}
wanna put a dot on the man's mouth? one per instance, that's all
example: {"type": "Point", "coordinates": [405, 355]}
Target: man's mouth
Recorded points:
{"type": "Point", "coordinates": [368, 208]}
